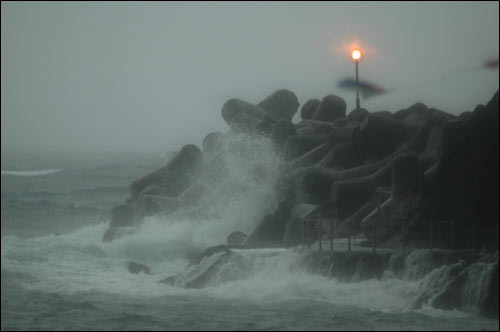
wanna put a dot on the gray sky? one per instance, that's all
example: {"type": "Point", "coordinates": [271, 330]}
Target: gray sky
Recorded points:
{"type": "Point", "coordinates": [154, 76]}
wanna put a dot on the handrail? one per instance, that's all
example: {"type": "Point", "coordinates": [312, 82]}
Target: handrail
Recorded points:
{"type": "Point", "coordinates": [310, 225]}
{"type": "Point", "coordinates": [414, 187]}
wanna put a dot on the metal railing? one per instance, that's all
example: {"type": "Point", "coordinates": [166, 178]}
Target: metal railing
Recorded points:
{"type": "Point", "coordinates": [313, 227]}
{"type": "Point", "coordinates": [440, 233]}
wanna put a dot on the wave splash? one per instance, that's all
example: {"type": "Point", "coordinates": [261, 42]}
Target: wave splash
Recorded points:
{"type": "Point", "coordinates": [32, 173]}
{"type": "Point", "coordinates": [79, 262]}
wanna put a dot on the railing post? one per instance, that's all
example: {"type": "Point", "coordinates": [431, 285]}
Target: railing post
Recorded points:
{"type": "Point", "coordinates": [497, 236]}
{"type": "Point", "coordinates": [332, 224]}
{"type": "Point", "coordinates": [474, 234]}
{"type": "Point", "coordinates": [349, 236]}
{"type": "Point", "coordinates": [309, 234]}
{"type": "Point", "coordinates": [452, 235]}
{"type": "Point", "coordinates": [432, 236]}
{"type": "Point", "coordinates": [337, 220]}
{"type": "Point", "coordinates": [377, 220]}
{"type": "Point", "coordinates": [319, 234]}
{"type": "Point", "coordinates": [418, 191]}
{"type": "Point", "coordinates": [404, 236]}
{"type": "Point", "coordinates": [397, 199]}
{"type": "Point", "coordinates": [304, 233]}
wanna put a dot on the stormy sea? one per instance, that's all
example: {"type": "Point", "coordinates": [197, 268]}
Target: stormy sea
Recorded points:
{"type": "Point", "coordinates": [57, 273]}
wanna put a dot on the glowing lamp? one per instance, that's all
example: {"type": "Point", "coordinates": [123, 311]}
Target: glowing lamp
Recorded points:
{"type": "Point", "coordinates": [356, 55]}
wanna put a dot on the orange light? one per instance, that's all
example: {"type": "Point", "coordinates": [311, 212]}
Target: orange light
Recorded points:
{"type": "Point", "coordinates": [356, 55]}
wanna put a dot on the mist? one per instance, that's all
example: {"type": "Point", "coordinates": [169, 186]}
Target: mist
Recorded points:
{"type": "Point", "coordinates": [207, 166]}
{"type": "Point", "coordinates": [154, 76]}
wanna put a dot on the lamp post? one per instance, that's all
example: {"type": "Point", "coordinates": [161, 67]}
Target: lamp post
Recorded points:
{"type": "Point", "coordinates": [356, 56]}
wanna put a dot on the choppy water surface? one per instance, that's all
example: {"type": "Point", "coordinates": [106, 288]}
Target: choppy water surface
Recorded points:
{"type": "Point", "coordinates": [57, 274]}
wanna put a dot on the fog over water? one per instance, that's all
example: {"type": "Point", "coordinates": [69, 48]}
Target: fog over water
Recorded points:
{"type": "Point", "coordinates": [154, 76]}
{"type": "Point", "coordinates": [111, 219]}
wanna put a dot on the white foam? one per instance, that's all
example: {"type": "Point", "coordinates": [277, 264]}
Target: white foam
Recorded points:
{"type": "Point", "coordinates": [31, 173]}
{"type": "Point", "coordinates": [80, 262]}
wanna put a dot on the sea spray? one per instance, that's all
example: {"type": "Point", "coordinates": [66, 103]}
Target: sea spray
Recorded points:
{"type": "Point", "coordinates": [233, 191]}
{"type": "Point", "coordinates": [477, 285]}
{"type": "Point", "coordinates": [81, 266]}
{"type": "Point", "coordinates": [447, 280]}
{"type": "Point", "coordinates": [31, 173]}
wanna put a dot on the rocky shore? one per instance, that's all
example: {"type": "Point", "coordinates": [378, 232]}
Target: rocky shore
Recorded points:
{"type": "Point", "coordinates": [415, 178]}
{"type": "Point", "coordinates": [371, 171]}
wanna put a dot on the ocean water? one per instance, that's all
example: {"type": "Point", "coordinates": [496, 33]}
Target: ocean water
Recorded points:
{"type": "Point", "coordinates": [57, 274]}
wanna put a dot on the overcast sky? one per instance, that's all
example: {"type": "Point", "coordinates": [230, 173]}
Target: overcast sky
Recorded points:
{"type": "Point", "coordinates": [130, 76]}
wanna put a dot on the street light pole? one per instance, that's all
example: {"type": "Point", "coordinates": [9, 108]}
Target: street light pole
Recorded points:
{"type": "Point", "coordinates": [356, 56]}
{"type": "Point", "coordinates": [357, 85]}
